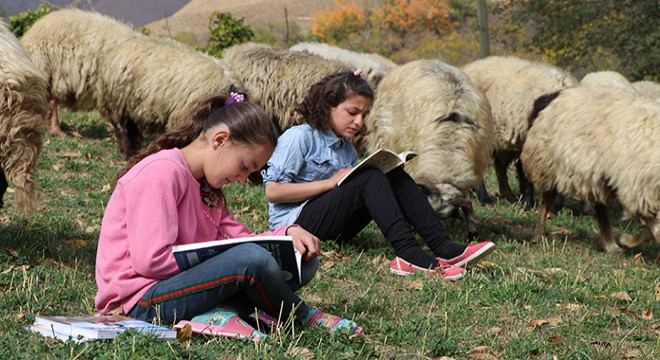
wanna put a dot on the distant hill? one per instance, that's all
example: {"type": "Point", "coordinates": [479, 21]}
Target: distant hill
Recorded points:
{"type": "Point", "coordinates": [194, 16]}
{"type": "Point", "coordinates": [135, 12]}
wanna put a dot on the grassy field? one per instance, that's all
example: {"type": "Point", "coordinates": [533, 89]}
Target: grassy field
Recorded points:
{"type": "Point", "coordinates": [557, 298]}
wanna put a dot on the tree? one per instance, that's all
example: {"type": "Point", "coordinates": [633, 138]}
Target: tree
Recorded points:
{"type": "Point", "coordinates": [225, 31]}
{"type": "Point", "coordinates": [591, 35]}
{"type": "Point", "coordinates": [21, 23]}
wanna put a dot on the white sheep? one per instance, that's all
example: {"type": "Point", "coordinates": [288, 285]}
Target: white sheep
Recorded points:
{"type": "Point", "coordinates": [433, 108]}
{"type": "Point", "coordinates": [67, 46]}
{"type": "Point", "coordinates": [511, 85]}
{"type": "Point", "coordinates": [23, 106]}
{"type": "Point", "coordinates": [598, 146]}
{"type": "Point", "coordinates": [148, 84]}
{"type": "Point", "coordinates": [278, 79]}
{"type": "Point", "coordinates": [373, 65]}
{"type": "Point", "coordinates": [608, 80]}
{"type": "Point", "coordinates": [649, 89]}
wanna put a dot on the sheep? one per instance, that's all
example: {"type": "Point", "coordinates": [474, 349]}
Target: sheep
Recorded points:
{"type": "Point", "coordinates": [598, 146]}
{"type": "Point", "coordinates": [147, 84]}
{"type": "Point", "coordinates": [511, 85]}
{"type": "Point", "coordinates": [374, 66]}
{"type": "Point", "coordinates": [66, 45]}
{"type": "Point", "coordinates": [278, 79]}
{"type": "Point", "coordinates": [649, 89]}
{"type": "Point", "coordinates": [433, 108]}
{"type": "Point", "coordinates": [23, 107]}
{"type": "Point", "coordinates": [608, 80]}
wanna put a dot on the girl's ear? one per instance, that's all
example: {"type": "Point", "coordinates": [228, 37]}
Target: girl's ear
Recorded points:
{"type": "Point", "coordinates": [219, 137]}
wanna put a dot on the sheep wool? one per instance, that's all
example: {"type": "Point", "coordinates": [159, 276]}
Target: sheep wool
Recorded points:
{"type": "Point", "coordinates": [607, 81]}
{"type": "Point", "coordinates": [511, 85]}
{"type": "Point", "coordinates": [648, 89]}
{"type": "Point", "coordinates": [23, 106]}
{"type": "Point", "coordinates": [278, 79]}
{"type": "Point", "coordinates": [67, 46]}
{"type": "Point", "coordinates": [433, 108]}
{"type": "Point", "coordinates": [374, 66]}
{"type": "Point", "coordinates": [596, 147]}
{"type": "Point", "coordinates": [148, 84]}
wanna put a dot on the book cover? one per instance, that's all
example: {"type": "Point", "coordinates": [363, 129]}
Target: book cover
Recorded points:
{"type": "Point", "coordinates": [99, 326]}
{"type": "Point", "coordinates": [50, 332]}
{"type": "Point", "coordinates": [281, 247]}
{"type": "Point", "coordinates": [383, 159]}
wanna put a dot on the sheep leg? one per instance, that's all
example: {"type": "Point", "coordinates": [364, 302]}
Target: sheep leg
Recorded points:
{"type": "Point", "coordinates": [652, 230]}
{"type": "Point", "coordinates": [54, 123]}
{"type": "Point", "coordinates": [606, 239]}
{"type": "Point", "coordinates": [526, 187]}
{"type": "Point", "coordinates": [3, 187]}
{"type": "Point", "coordinates": [468, 210]}
{"type": "Point", "coordinates": [482, 195]}
{"type": "Point", "coordinates": [501, 162]}
{"type": "Point", "coordinates": [134, 138]}
{"type": "Point", "coordinates": [548, 198]}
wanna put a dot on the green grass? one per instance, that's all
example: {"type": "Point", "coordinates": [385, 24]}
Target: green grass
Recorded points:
{"type": "Point", "coordinates": [555, 298]}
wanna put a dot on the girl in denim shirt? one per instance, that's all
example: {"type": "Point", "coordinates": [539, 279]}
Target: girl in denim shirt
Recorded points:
{"type": "Point", "coordinates": [301, 185]}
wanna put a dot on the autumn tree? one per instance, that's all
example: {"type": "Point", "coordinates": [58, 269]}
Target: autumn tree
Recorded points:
{"type": "Point", "coordinates": [622, 35]}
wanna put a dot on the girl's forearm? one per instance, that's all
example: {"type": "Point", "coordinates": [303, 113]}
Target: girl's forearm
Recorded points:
{"type": "Point", "coordinates": [295, 192]}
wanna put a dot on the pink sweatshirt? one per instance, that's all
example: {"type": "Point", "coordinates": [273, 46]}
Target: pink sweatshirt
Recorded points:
{"type": "Point", "coordinates": [157, 204]}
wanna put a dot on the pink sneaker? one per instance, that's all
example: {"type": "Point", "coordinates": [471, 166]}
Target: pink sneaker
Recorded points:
{"type": "Point", "coordinates": [445, 270]}
{"type": "Point", "coordinates": [472, 254]}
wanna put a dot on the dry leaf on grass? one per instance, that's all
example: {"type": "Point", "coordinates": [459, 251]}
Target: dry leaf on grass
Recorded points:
{"type": "Point", "coordinates": [632, 354]}
{"type": "Point", "coordinates": [603, 344]}
{"type": "Point", "coordinates": [327, 264]}
{"type": "Point", "coordinates": [184, 334]}
{"type": "Point", "coordinates": [621, 295]}
{"type": "Point", "coordinates": [482, 352]}
{"type": "Point", "coordinates": [12, 251]}
{"type": "Point", "coordinates": [557, 339]}
{"type": "Point", "coordinates": [77, 243]}
{"type": "Point", "coordinates": [416, 285]}
{"type": "Point", "coordinates": [569, 307]}
{"type": "Point", "coordinates": [301, 352]}
{"type": "Point", "coordinates": [495, 330]}
{"type": "Point", "coordinates": [647, 314]}
{"type": "Point", "coordinates": [638, 259]}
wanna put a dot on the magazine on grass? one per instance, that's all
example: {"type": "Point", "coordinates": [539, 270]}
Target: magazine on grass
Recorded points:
{"type": "Point", "coordinates": [383, 159]}
{"type": "Point", "coordinates": [281, 247]}
{"type": "Point", "coordinates": [95, 327]}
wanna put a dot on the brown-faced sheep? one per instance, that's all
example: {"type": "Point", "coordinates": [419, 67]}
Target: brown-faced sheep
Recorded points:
{"type": "Point", "coordinates": [148, 84]}
{"type": "Point", "coordinates": [67, 45]}
{"type": "Point", "coordinates": [434, 109]}
{"type": "Point", "coordinates": [374, 66]}
{"type": "Point", "coordinates": [511, 85]}
{"type": "Point", "coordinates": [598, 146]}
{"type": "Point", "coordinates": [278, 79]}
{"type": "Point", "coordinates": [23, 106]}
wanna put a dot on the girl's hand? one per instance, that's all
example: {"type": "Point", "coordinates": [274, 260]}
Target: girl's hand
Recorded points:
{"type": "Point", "coordinates": [338, 176]}
{"type": "Point", "coordinates": [307, 244]}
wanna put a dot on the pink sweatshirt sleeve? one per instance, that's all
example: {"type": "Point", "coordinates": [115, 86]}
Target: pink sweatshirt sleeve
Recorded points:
{"type": "Point", "coordinates": [152, 219]}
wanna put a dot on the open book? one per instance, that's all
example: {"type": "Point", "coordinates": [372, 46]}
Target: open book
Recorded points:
{"type": "Point", "coordinates": [281, 247]}
{"type": "Point", "coordinates": [383, 159]}
{"type": "Point", "coordinates": [86, 328]}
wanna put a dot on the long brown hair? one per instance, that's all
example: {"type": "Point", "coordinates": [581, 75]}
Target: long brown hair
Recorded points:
{"type": "Point", "coordinates": [329, 92]}
{"type": "Point", "coordinates": [248, 124]}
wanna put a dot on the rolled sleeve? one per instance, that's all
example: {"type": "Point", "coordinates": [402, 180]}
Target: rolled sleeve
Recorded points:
{"type": "Point", "coordinates": [287, 159]}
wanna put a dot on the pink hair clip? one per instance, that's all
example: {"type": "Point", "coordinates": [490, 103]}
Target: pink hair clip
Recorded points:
{"type": "Point", "coordinates": [234, 97]}
{"type": "Point", "coordinates": [357, 72]}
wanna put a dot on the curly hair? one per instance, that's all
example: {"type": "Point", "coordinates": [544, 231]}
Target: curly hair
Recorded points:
{"type": "Point", "coordinates": [329, 93]}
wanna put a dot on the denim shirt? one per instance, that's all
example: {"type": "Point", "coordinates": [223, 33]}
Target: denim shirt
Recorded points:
{"type": "Point", "coordinates": [304, 154]}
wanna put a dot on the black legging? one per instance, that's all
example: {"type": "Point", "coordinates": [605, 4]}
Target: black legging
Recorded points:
{"type": "Point", "coordinates": [394, 202]}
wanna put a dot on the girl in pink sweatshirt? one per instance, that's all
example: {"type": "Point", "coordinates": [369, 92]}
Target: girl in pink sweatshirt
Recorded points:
{"type": "Point", "coordinates": [170, 194]}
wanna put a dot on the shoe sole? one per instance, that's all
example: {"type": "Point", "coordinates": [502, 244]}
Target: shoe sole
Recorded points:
{"type": "Point", "coordinates": [405, 273]}
{"type": "Point", "coordinates": [477, 256]}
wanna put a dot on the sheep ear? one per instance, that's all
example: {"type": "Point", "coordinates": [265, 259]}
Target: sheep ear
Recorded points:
{"type": "Point", "coordinates": [427, 187]}
{"type": "Point", "coordinates": [459, 119]}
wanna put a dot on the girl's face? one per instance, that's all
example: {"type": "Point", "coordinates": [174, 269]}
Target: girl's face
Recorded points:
{"type": "Point", "coordinates": [347, 118]}
{"type": "Point", "coordinates": [228, 161]}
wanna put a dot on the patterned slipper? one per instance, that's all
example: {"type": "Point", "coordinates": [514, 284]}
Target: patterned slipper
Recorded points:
{"type": "Point", "coordinates": [222, 321]}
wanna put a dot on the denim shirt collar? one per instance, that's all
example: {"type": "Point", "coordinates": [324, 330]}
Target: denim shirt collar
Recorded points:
{"type": "Point", "coordinates": [331, 139]}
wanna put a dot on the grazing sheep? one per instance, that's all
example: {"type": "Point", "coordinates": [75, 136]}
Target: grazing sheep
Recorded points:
{"type": "Point", "coordinates": [511, 85]}
{"type": "Point", "coordinates": [608, 80]}
{"type": "Point", "coordinates": [598, 146]}
{"type": "Point", "coordinates": [23, 106]}
{"type": "Point", "coordinates": [374, 66]}
{"type": "Point", "coordinates": [433, 109]}
{"type": "Point", "coordinates": [648, 89]}
{"type": "Point", "coordinates": [66, 45]}
{"type": "Point", "coordinates": [148, 84]}
{"type": "Point", "coordinates": [278, 79]}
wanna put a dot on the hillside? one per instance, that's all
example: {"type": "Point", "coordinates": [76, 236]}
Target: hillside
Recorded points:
{"type": "Point", "coordinates": [193, 18]}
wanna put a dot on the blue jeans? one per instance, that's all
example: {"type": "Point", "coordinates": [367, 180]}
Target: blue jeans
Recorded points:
{"type": "Point", "coordinates": [245, 276]}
